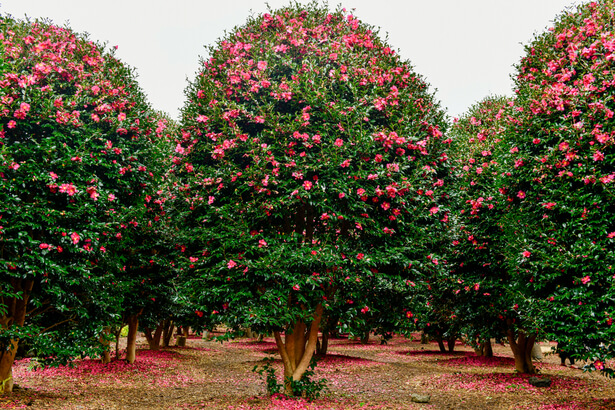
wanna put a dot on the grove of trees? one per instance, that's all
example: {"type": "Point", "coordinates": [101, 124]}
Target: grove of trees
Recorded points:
{"type": "Point", "coordinates": [312, 183]}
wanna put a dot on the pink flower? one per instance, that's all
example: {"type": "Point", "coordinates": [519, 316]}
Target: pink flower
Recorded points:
{"type": "Point", "coordinates": [53, 175]}
{"type": "Point", "coordinates": [345, 164]}
{"type": "Point", "coordinates": [121, 116]}
{"type": "Point", "coordinates": [68, 189]}
{"type": "Point", "coordinates": [338, 142]}
{"type": "Point", "coordinates": [193, 259]}
{"type": "Point", "coordinates": [360, 192]}
{"type": "Point", "coordinates": [262, 65]}
{"type": "Point", "coordinates": [43, 246]}
{"type": "Point", "coordinates": [611, 235]}
{"type": "Point", "coordinates": [598, 156]}
{"type": "Point", "coordinates": [111, 198]}
{"type": "Point", "coordinates": [295, 287]}
{"type": "Point", "coordinates": [11, 124]}
{"type": "Point", "coordinates": [526, 254]}
{"type": "Point", "coordinates": [341, 195]}
{"type": "Point", "coordinates": [585, 280]}
{"type": "Point", "coordinates": [307, 185]}
{"type": "Point", "coordinates": [549, 205]}
{"type": "Point", "coordinates": [103, 249]}
{"type": "Point", "coordinates": [521, 194]}
{"type": "Point", "coordinates": [365, 310]}
{"type": "Point", "coordinates": [74, 236]}
{"type": "Point", "coordinates": [262, 243]}
{"type": "Point", "coordinates": [598, 365]}
{"type": "Point", "coordinates": [434, 210]}
{"type": "Point", "coordinates": [231, 264]}
{"type": "Point", "coordinates": [360, 256]}
{"type": "Point", "coordinates": [202, 118]}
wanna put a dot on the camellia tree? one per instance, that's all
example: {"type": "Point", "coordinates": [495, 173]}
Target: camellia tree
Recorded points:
{"type": "Point", "coordinates": [550, 201]}
{"type": "Point", "coordinates": [75, 146]}
{"type": "Point", "coordinates": [480, 298]}
{"type": "Point", "coordinates": [311, 159]}
{"type": "Point", "coordinates": [558, 180]}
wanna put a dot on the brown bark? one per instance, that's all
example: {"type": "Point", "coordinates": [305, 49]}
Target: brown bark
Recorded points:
{"type": "Point", "coordinates": [450, 342]}
{"type": "Point", "coordinates": [104, 340]}
{"type": "Point", "coordinates": [167, 332]}
{"type": "Point", "coordinates": [298, 348]}
{"type": "Point", "coordinates": [15, 315]}
{"type": "Point", "coordinates": [365, 337]}
{"type": "Point", "coordinates": [131, 340]}
{"type": "Point", "coordinates": [322, 345]}
{"type": "Point", "coordinates": [441, 343]}
{"type": "Point", "coordinates": [522, 351]}
{"type": "Point", "coordinates": [118, 334]}
{"type": "Point", "coordinates": [153, 339]}
{"type": "Point", "coordinates": [484, 349]}
{"type": "Point", "coordinates": [487, 348]}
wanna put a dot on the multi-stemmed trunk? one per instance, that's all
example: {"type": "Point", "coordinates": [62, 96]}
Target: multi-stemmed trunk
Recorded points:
{"type": "Point", "coordinates": [167, 332]}
{"type": "Point", "coordinates": [153, 338]}
{"type": "Point", "coordinates": [15, 315]}
{"type": "Point", "coordinates": [522, 351]}
{"type": "Point", "coordinates": [297, 348]}
{"type": "Point", "coordinates": [484, 348]}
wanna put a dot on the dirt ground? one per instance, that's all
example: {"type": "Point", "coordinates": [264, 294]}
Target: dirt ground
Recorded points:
{"type": "Point", "coordinates": [210, 375]}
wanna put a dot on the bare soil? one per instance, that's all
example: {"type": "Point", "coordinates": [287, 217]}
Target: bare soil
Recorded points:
{"type": "Point", "coordinates": [209, 375]}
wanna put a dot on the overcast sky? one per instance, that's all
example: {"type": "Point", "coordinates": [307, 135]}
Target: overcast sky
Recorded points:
{"type": "Point", "coordinates": [465, 49]}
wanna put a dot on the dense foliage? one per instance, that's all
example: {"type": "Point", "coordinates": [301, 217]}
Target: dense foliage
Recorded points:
{"type": "Point", "coordinates": [313, 162]}
{"type": "Point", "coordinates": [77, 151]}
{"type": "Point", "coordinates": [559, 177]}
{"type": "Point", "coordinates": [542, 223]}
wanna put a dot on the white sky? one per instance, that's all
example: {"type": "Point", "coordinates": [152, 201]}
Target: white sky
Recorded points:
{"type": "Point", "coordinates": [465, 49]}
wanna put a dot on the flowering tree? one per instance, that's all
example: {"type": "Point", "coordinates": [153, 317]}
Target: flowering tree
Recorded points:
{"type": "Point", "coordinates": [558, 181]}
{"type": "Point", "coordinates": [550, 201]}
{"type": "Point", "coordinates": [481, 300]}
{"type": "Point", "coordinates": [312, 159]}
{"type": "Point", "coordinates": [74, 145]}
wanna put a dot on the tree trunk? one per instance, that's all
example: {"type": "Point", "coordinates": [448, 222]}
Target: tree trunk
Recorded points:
{"type": "Point", "coordinates": [167, 332]}
{"type": "Point", "coordinates": [15, 315]}
{"type": "Point", "coordinates": [297, 350]}
{"type": "Point", "coordinates": [487, 348]}
{"type": "Point", "coordinates": [365, 337]}
{"type": "Point", "coordinates": [323, 345]}
{"type": "Point", "coordinates": [522, 350]}
{"type": "Point", "coordinates": [104, 340]}
{"type": "Point", "coordinates": [118, 334]}
{"type": "Point", "coordinates": [441, 343]}
{"type": "Point", "coordinates": [424, 338]}
{"type": "Point", "coordinates": [131, 340]}
{"type": "Point", "coordinates": [451, 343]}
{"type": "Point", "coordinates": [153, 340]}
{"type": "Point", "coordinates": [484, 349]}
